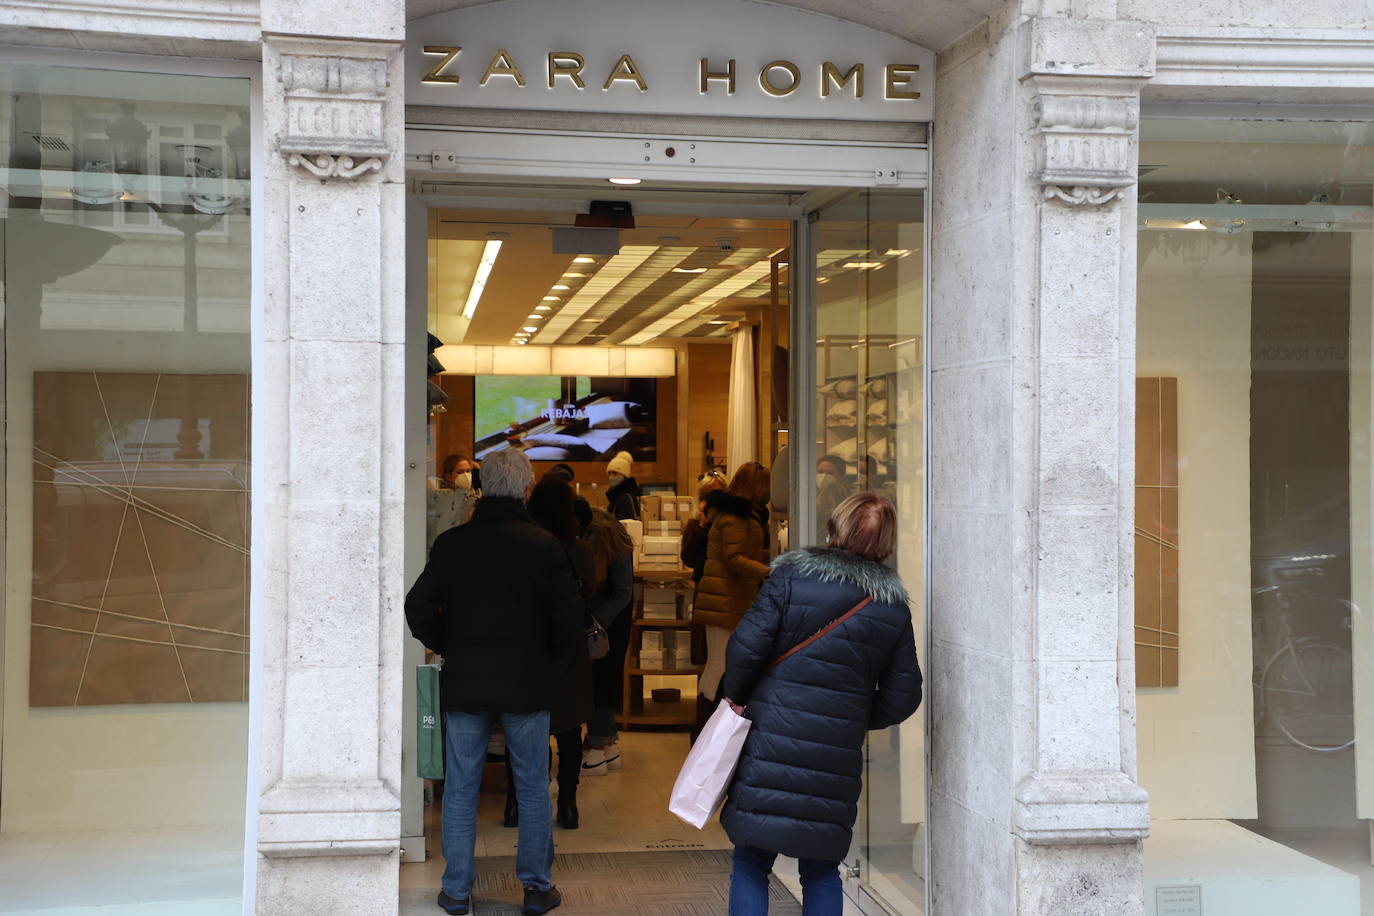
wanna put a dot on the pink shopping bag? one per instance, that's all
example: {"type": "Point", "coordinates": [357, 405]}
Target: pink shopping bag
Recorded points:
{"type": "Point", "coordinates": [705, 775]}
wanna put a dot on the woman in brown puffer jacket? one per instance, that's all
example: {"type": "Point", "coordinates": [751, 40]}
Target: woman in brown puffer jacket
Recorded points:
{"type": "Point", "coordinates": [736, 565]}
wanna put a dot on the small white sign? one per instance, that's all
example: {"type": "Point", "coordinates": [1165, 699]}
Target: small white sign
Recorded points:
{"type": "Point", "coordinates": [1182, 900]}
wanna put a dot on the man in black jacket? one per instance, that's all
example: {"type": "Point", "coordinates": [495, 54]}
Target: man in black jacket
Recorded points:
{"type": "Point", "coordinates": [498, 600]}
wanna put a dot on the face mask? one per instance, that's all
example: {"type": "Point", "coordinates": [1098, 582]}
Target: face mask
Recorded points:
{"type": "Point", "coordinates": [615, 479]}
{"type": "Point", "coordinates": [824, 480]}
{"type": "Point", "coordinates": [463, 480]}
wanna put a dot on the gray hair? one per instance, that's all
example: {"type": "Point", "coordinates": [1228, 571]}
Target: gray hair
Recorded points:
{"type": "Point", "coordinates": [507, 473]}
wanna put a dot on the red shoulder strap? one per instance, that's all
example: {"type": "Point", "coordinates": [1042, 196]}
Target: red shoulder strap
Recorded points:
{"type": "Point", "coordinates": [826, 629]}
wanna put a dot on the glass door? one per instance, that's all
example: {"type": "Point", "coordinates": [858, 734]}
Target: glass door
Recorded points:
{"type": "Point", "coordinates": [867, 432]}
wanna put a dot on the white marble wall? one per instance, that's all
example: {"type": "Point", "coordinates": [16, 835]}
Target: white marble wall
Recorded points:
{"type": "Point", "coordinates": [1034, 808]}
{"type": "Point", "coordinates": [332, 457]}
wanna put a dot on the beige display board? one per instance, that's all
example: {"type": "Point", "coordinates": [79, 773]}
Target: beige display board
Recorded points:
{"type": "Point", "coordinates": [140, 539]}
{"type": "Point", "coordinates": [1196, 744]}
{"type": "Point", "coordinates": [1156, 532]}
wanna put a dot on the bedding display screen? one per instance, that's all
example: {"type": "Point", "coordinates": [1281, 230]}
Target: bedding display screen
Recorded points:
{"type": "Point", "coordinates": [566, 418]}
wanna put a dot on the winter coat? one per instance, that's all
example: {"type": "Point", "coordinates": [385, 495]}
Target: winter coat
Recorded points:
{"type": "Point", "coordinates": [735, 561]}
{"type": "Point", "coordinates": [572, 671]}
{"type": "Point", "coordinates": [796, 789]}
{"type": "Point", "coordinates": [622, 500]}
{"type": "Point", "coordinates": [498, 601]}
{"type": "Point", "coordinates": [693, 553]}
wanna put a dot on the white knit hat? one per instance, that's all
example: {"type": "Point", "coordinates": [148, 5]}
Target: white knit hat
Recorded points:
{"type": "Point", "coordinates": [621, 464]}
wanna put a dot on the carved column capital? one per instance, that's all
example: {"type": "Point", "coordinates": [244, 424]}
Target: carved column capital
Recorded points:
{"type": "Point", "coordinates": [334, 97]}
{"type": "Point", "coordinates": [1087, 131]}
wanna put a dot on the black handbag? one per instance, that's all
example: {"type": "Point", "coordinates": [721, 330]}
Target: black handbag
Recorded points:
{"type": "Point", "coordinates": [598, 640]}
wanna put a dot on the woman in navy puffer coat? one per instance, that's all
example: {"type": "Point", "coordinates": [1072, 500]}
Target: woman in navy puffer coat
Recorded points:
{"type": "Point", "coordinates": [797, 787]}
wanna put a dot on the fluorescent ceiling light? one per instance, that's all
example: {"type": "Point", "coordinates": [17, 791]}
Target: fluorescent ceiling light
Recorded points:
{"type": "Point", "coordinates": [479, 280]}
{"type": "Point", "coordinates": [617, 270]}
{"type": "Point", "coordinates": [897, 252]}
{"type": "Point", "coordinates": [624, 180]}
{"type": "Point", "coordinates": [700, 302]}
{"type": "Point", "coordinates": [864, 265]}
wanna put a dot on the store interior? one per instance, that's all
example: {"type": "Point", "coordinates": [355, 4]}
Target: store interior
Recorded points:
{"type": "Point", "coordinates": [673, 345]}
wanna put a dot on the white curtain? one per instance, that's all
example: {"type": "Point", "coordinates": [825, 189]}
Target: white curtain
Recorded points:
{"type": "Point", "coordinates": [741, 436]}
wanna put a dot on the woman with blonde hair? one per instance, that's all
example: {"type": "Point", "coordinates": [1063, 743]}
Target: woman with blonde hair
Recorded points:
{"type": "Point", "coordinates": [825, 654]}
{"type": "Point", "coordinates": [736, 564]}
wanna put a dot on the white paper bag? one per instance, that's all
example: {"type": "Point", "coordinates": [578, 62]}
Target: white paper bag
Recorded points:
{"type": "Point", "coordinates": [706, 773]}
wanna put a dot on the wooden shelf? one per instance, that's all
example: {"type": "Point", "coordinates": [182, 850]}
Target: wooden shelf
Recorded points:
{"type": "Point", "coordinates": [674, 624]}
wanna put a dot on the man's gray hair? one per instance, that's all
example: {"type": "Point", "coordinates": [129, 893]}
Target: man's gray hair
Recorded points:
{"type": "Point", "coordinates": [507, 473]}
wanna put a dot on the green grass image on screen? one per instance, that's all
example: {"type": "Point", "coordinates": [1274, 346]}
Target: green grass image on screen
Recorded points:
{"type": "Point", "coordinates": [498, 399]}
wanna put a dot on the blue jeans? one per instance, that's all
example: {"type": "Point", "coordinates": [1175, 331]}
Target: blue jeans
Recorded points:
{"type": "Point", "coordinates": [465, 752]}
{"type": "Point", "coordinates": [822, 893]}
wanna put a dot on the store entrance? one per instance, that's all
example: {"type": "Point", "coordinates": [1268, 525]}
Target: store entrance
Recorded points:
{"type": "Point", "coordinates": [673, 335]}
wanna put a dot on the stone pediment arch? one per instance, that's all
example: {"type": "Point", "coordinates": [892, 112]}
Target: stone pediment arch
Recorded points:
{"type": "Point", "coordinates": [933, 24]}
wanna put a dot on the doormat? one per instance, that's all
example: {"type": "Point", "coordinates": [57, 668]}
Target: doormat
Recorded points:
{"type": "Point", "coordinates": [670, 883]}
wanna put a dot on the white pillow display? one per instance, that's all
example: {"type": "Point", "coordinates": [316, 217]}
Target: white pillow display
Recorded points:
{"type": "Point", "coordinates": [556, 439]}
{"type": "Point", "coordinates": [547, 453]}
{"type": "Point", "coordinates": [615, 415]}
{"type": "Point", "coordinates": [842, 413]}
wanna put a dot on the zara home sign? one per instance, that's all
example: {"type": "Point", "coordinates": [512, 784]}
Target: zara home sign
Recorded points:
{"type": "Point", "coordinates": [693, 57]}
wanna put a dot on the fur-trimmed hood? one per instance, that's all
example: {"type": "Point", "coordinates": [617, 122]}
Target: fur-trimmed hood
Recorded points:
{"type": "Point", "coordinates": [831, 565]}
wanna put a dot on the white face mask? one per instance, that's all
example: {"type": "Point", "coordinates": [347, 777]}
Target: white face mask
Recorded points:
{"type": "Point", "coordinates": [824, 479]}
{"type": "Point", "coordinates": [463, 480]}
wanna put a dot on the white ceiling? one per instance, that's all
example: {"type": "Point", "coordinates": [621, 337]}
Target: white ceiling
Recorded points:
{"type": "Point", "coordinates": [933, 24]}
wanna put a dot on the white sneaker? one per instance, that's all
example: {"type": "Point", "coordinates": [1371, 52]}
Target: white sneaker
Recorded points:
{"type": "Point", "coordinates": [613, 756]}
{"type": "Point", "coordinates": [594, 761]}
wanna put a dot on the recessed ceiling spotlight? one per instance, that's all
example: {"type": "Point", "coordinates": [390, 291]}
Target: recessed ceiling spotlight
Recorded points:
{"type": "Point", "coordinates": [535, 318]}
{"type": "Point", "coordinates": [561, 286]}
{"type": "Point", "coordinates": [624, 180]}
{"type": "Point", "coordinates": [583, 259]}
{"type": "Point", "coordinates": [552, 299]}
{"type": "Point", "coordinates": [717, 321]}
{"type": "Point", "coordinates": [543, 308]}
{"type": "Point", "coordinates": [529, 328]}
{"type": "Point", "coordinates": [589, 319]}
{"type": "Point", "coordinates": [573, 273]}
{"type": "Point", "coordinates": [689, 270]}
{"type": "Point", "coordinates": [522, 342]}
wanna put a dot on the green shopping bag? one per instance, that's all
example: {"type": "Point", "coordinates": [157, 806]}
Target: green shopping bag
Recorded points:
{"type": "Point", "coordinates": [429, 716]}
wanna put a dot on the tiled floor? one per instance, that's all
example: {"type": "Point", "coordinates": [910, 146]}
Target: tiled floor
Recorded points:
{"type": "Point", "coordinates": [625, 811]}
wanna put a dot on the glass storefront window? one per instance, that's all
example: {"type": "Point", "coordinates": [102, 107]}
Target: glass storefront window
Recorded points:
{"type": "Point", "coordinates": [126, 263]}
{"type": "Point", "coordinates": [870, 435]}
{"type": "Point", "coordinates": [1254, 639]}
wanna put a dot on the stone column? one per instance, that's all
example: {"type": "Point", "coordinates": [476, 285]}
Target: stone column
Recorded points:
{"type": "Point", "coordinates": [328, 391]}
{"type": "Point", "coordinates": [1034, 805]}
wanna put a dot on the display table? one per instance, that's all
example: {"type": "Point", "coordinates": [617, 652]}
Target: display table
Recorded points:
{"type": "Point", "coordinates": [1216, 867]}
{"type": "Point", "coordinates": [639, 711]}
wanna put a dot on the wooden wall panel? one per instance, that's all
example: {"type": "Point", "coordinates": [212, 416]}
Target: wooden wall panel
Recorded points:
{"type": "Point", "coordinates": [1156, 533]}
{"type": "Point", "coordinates": [708, 397]}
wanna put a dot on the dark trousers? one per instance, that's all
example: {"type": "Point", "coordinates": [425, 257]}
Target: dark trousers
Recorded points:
{"type": "Point", "coordinates": [608, 682]}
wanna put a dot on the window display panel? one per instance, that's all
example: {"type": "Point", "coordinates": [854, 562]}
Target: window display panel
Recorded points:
{"type": "Point", "coordinates": [126, 259]}
{"type": "Point", "coordinates": [1253, 511]}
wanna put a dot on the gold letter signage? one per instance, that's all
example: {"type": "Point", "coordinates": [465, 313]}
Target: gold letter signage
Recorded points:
{"type": "Point", "coordinates": [776, 78]}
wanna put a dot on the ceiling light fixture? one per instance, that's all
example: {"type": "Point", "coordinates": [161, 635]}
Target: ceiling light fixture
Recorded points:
{"type": "Point", "coordinates": [624, 180]}
{"type": "Point", "coordinates": [583, 259]}
{"type": "Point", "coordinates": [689, 270]}
{"type": "Point", "coordinates": [863, 265]}
{"type": "Point", "coordinates": [529, 329]}
{"type": "Point", "coordinates": [561, 286]}
{"type": "Point", "coordinates": [543, 308]}
{"type": "Point", "coordinates": [573, 273]}
{"type": "Point", "coordinates": [479, 280]}
{"type": "Point", "coordinates": [552, 299]}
